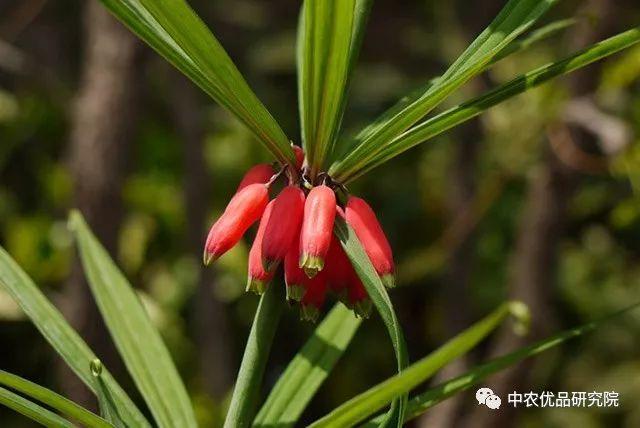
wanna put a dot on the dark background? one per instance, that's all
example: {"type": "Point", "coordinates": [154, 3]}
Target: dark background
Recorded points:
{"type": "Point", "coordinates": [537, 200]}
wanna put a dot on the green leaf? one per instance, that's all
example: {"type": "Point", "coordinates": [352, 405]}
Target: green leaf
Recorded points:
{"type": "Point", "coordinates": [362, 11]}
{"type": "Point", "coordinates": [308, 369]}
{"type": "Point", "coordinates": [422, 402]}
{"type": "Point", "coordinates": [324, 62]}
{"type": "Point", "coordinates": [536, 36]}
{"type": "Point", "coordinates": [108, 409]}
{"type": "Point", "coordinates": [372, 400]}
{"type": "Point", "coordinates": [470, 109]}
{"type": "Point", "coordinates": [32, 410]}
{"type": "Point", "coordinates": [52, 399]}
{"type": "Point", "coordinates": [256, 353]}
{"type": "Point", "coordinates": [174, 30]}
{"type": "Point", "coordinates": [64, 339]}
{"type": "Point", "coordinates": [514, 47]}
{"type": "Point", "coordinates": [137, 340]}
{"type": "Point", "coordinates": [381, 300]}
{"type": "Point", "coordinates": [515, 18]}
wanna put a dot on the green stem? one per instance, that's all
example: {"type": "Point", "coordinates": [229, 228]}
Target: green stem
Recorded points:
{"type": "Point", "coordinates": [245, 395]}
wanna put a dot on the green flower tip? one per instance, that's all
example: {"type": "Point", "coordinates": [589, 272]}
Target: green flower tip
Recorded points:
{"type": "Point", "coordinates": [309, 313]}
{"type": "Point", "coordinates": [295, 292]}
{"type": "Point", "coordinates": [257, 286]}
{"type": "Point", "coordinates": [389, 280]}
{"type": "Point", "coordinates": [311, 264]}
{"type": "Point", "coordinates": [362, 308]}
{"type": "Point", "coordinates": [343, 297]}
{"type": "Point", "coordinates": [208, 258]}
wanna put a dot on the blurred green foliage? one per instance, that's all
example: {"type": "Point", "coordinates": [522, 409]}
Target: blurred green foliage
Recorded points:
{"type": "Point", "coordinates": [598, 266]}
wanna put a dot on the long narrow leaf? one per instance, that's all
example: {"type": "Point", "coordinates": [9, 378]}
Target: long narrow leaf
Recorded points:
{"type": "Point", "coordinates": [137, 340]}
{"type": "Point", "coordinates": [108, 408]}
{"type": "Point", "coordinates": [515, 18]}
{"type": "Point", "coordinates": [382, 302]}
{"type": "Point", "coordinates": [177, 33]}
{"type": "Point", "coordinates": [536, 36]}
{"type": "Point", "coordinates": [32, 410]}
{"type": "Point", "coordinates": [476, 106]}
{"type": "Point", "coordinates": [422, 402]}
{"type": "Point", "coordinates": [362, 11]}
{"type": "Point", "coordinates": [64, 339]}
{"type": "Point", "coordinates": [52, 399]}
{"type": "Point", "coordinates": [324, 64]}
{"type": "Point", "coordinates": [518, 45]}
{"type": "Point", "coordinates": [372, 400]}
{"type": "Point", "coordinates": [308, 369]}
{"type": "Point", "coordinates": [247, 389]}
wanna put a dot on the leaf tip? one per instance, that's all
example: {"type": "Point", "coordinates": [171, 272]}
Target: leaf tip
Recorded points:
{"type": "Point", "coordinates": [522, 317]}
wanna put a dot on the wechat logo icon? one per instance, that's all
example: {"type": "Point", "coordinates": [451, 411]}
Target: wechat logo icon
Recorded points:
{"type": "Point", "coordinates": [488, 398]}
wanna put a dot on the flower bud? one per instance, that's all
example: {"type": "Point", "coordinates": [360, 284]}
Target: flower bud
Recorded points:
{"type": "Point", "coordinates": [260, 173]}
{"type": "Point", "coordinates": [243, 210]}
{"type": "Point", "coordinates": [258, 278]}
{"type": "Point", "coordinates": [364, 222]}
{"type": "Point", "coordinates": [294, 277]}
{"type": "Point", "coordinates": [317, 229]}
{"type": "Point", "coordinates": [313, 298]}
{"type": "Point", "coordinates": [283, 226]}
{"type": "Point", "coordinates": [299, 155]}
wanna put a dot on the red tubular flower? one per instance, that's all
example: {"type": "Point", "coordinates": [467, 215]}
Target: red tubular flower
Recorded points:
{"type": "Point", "coordinates": [294, 277]}
{"type": "Point", "coordinates": [258, 278]}
{"type": "Point", "coordinates": [343, 280]}
{"type": "Point", "coordinates": [313, 299]}
{"type": "Point", "coordinates": [338, 270]}
{"type": "Point", "coordinates": [358, 298]}
{"type": "Point", "coordinates": [364, 222]}
{"type": "Point", "coordinates": [260, 173]}
{"type": "Point", "coordinates": [283, 226]}
{"type": "Point", "coordinates": [243, 210]}
{"type": "Point", "coordinates": [317, 229]}
{"type": "Point", "coordinates": [299, 155]}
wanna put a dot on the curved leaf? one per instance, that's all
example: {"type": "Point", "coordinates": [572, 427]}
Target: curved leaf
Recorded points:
{"type": "Point", "coordinates": [515, 18]}
{"type": "Point", "coordinates": [137, 340]}
{"type": "Point", "coordinates": [456, 115]}
{"type": "Point", "coordinates": [64, 339]}
{"type": "Point", "coordinates": [536, 36]}
{"type": "Point", "coordinates": [32, 410]}
{"type": "Point", "coordinates": [52, 399]}
{"type": "Point", "coordinates": [422, 402]}
{"type": "Point", "coordinates": [177, 33]}
{"type": "Point", "coordinates": [515, 46]}
{"type": "Point", "coordinates": [372, 400]}
{"type": "Point", "coordinates": [378, 294]}
{"type": "Point", "coordinates": [308, 369]}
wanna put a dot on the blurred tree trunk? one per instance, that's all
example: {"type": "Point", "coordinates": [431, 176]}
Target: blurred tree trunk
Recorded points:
{"type": "Point", "coordinates": [210, 319]}
{"type": "Point", "coordinates": [540, 233]}
{"type": "Point", "coordinates": [458, 271]}
{"type": "Point", "coordinates": [462, 195]}
{"type": "Point", "coordinates": [541, 230]}
{"type": "Point", "coordinates": [100, 134]}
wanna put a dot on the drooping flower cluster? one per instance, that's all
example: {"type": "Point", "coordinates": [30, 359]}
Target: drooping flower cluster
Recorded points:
{"type": "Point", "coordinates": [296, 231]}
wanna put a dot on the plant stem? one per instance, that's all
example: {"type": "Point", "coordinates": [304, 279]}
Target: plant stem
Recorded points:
{"type": "Point", "coordinates": [244, 400]}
